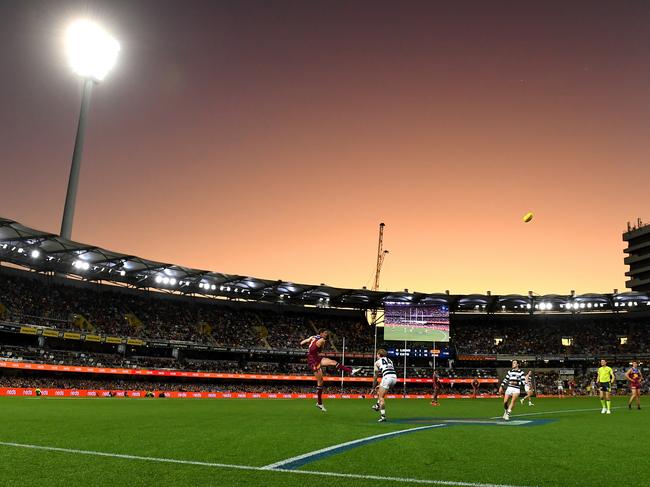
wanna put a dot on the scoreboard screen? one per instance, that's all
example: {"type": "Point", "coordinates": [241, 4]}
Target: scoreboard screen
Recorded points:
{"type": "Point", "coordinates": [418, 352]}
{"type": "Point", "coordinates": [416, 323]}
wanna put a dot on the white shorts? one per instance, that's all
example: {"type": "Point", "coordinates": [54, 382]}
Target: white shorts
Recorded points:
{"type": "Point", "coordinates": [511, 391]}
{"type": "Point", "coordinates": [560, 389]}
{"type": "Point", "coordinates": [388, 382]}
{"type": "Point", "coordinates": [527, 389]}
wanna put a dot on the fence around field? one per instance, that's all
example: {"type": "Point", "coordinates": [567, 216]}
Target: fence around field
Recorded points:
{"type": "Point", "coordinates": [214, 375]}
{"type": "Point", "coordinates": [140, 394]}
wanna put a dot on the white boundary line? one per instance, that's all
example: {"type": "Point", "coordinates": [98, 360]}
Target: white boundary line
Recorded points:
{"type": "Point", "coordinates": [251, 468]}
{"type": "Point", "coordinates": [317, 453]}
{"type": "Point", "coordinates": [541, 413]}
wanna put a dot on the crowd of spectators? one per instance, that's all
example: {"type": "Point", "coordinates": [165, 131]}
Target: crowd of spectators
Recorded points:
{"type": "Point", "coordinates": [585, 335]}
{"type": "Point", "coordinates": [112, 311]}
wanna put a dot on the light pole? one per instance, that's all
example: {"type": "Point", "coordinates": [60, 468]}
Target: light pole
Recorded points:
{"type": "Point", "coordinates": [91, 52]}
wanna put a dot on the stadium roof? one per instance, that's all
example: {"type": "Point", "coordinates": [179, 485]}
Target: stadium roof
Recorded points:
{"type": "Point", "coordinates": [48, 253]}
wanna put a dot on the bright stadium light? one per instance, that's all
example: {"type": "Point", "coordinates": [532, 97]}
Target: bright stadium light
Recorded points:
{"type": "Point", "coordinates": [91, 52]}
{"type": "Point", "coordinates": [35, 254]}
{"type": "Point", "coordinates": [172, 281]}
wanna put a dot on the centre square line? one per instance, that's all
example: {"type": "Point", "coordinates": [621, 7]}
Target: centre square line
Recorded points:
{"type": "Point", "coordinates": [122, 456]}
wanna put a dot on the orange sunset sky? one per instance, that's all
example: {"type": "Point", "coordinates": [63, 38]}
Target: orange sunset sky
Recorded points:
{"type": "Point", "coordinates": [270, 138]}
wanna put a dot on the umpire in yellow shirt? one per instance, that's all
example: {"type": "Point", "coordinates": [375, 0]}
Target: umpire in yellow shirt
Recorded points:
{"type": "Point", "coordinates": [605, 378]}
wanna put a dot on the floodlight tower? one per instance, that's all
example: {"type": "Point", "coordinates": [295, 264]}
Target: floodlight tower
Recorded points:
{"type": "Point", "coordinates": [91, 52]}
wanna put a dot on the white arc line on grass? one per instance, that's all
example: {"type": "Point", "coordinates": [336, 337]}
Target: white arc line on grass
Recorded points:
{"type": "Point", "coordinates": [247, 467]}
{"type": "Point", "coordinates": [347, 444]}
{"type": "Point", "coordinates": [541, 413]}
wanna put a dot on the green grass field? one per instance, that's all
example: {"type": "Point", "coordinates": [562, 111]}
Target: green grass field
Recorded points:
{"type": "Point", "coordinates": [573, 448]}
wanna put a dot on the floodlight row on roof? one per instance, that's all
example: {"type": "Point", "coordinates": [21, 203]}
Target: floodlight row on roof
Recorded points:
{"type": "Point", "coordinates": [45, 252]}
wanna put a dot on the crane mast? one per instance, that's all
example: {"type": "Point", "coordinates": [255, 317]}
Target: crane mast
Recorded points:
{"type": "Point", "coordinates": [381, 255]}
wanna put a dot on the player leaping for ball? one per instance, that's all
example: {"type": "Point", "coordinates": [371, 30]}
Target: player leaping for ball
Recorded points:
{"type": "Point", "coordinates": [512, 383]}
{"type": "Point", "coordinates": [316, 363]}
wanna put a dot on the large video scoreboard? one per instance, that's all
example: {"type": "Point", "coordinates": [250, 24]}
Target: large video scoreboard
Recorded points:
{"type": "Point", "coordinates": [416, 323]}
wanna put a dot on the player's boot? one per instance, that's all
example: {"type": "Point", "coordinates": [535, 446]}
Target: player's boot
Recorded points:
{"type": "Point", "coordinates": [609, 412]}
{"type": "Point", "coordinates": [506, 416]}
{"type": "Point", "coordinates": [530, 403]}
{"type": "Point", "coordinates": [381, 419]}
{"type": "Point", "coordinates": [521, 400]}
{"type": "Point", "coordinates": [603, 411]}
{"type": "Point", "coordinates": [355, 371]}
{"type": "Point", "coordinates": [321, 407]}
{"type": "Point", "coordinates": [375, 407]}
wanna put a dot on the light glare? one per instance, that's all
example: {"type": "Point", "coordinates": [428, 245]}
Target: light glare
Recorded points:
{"type": "Point", "coordinates": [91, 51]}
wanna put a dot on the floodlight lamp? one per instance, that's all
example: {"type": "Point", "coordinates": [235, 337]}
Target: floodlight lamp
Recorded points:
{"type": "Point", "coordinates": [35, 254]}
{"type": "Point", "coordinates": [91, 51]}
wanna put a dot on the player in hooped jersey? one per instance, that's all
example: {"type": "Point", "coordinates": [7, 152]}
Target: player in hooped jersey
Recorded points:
{"type": "Point", "coordinates": [528, 387]}
{"type": "Point", "coordinates": [316, 363]}
{"type": "Point", "coordinates": [385, 367]}
{"type": "Point", "coordinates": [635, 377]}
{"type": "Point", "coordinates": [512, 383]}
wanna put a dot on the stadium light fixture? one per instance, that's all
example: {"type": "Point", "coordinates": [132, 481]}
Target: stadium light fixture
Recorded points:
{"type": "Point", "coordinates": [122, 273]}
{"type": "Point", "coordinates": [92, 53]}
{"type": "Point", "coordinates": [172, 281]}
{"type": "Point", "coordinates": [158, 279]}
{"type": "Point", "coordinates": [35, 254]}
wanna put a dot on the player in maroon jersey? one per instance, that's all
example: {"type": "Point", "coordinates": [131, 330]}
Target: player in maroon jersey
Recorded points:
{"type": "Point", "coordinates": [635, 377]}
{"type": "Point", "coordinates": [436, 389]}
{"type": "Point", "coordinates": [316, 362]}
{"type": "Point", "coordinates": [475, 386]}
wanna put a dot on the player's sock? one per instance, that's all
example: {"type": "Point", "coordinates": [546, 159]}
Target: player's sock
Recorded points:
{"type": "Point", "coordinates": [382, 412]}
{"type": "Point", "coordinates": [505, 406]}
{"type": "Point", "coordinates": [609, 403]}
{"type": "Point", "coordinates": [343, 368]}
{"type": "Point", "coordinates": [602, 401]}
{"type": "Point", "coordinates": [319, 392]}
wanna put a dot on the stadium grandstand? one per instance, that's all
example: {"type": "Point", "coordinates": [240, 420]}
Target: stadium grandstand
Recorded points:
{"type": "Point", "coordinates": [73, 309]}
